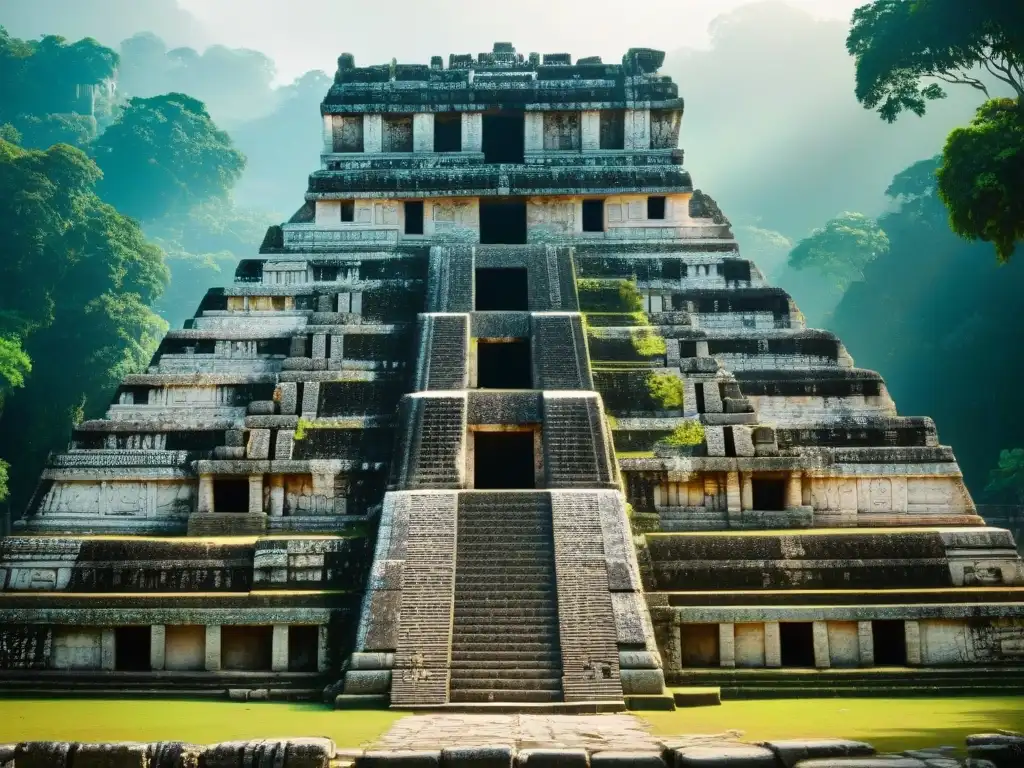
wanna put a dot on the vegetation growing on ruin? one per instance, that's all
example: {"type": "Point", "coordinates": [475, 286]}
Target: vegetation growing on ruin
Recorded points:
{"type": "Point", "coordinates": [647, 342]}
{"type": "Point", "coordinates": [666, 389]}
{"type": "Point", "coordinates": [690, 432]}
{"type": "Point", "coordinates": [617, 295]}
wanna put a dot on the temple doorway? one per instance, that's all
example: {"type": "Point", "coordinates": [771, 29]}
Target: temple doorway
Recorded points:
{"type": "Point", "coordinates": [503, 460]}
{"type": "Point", "coordinates": [504, 135]}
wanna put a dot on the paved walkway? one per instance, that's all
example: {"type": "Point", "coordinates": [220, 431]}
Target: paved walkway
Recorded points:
{"type": "Point", "coordinates": [591, 732]}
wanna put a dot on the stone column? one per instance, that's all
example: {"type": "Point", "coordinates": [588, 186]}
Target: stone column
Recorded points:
{"type": "Point", "coordinates": [276, 495]}
{"type": "Point", "coordinates": [674, 648]}
{"type": "Point", "coordinates": [732, 496]}
{"type": "Point", "coordinates": [279, 649]}
{"type": "Point", "coordinates": [638, 133]}
{"type": "Point", "coordinates": [423, 132]}
{"type": "Point", "coordinates": [373, 133]}
{"type": "Point", "coordinates": [727, 645]}
{"type": "Point", "coordinates": [866, 643]}
{"type": "Point", "coordinates": [794, 491]}
{"type": "Point", "coordinates": [912, 634]}
{"type": "Point", "coordinates": [337, 346]}
{"type": "Point", "coordinates": [322, 659]}
{"type": "Point", "coordinates": [747, 490]}
{"type": "Point", "coordinates": [772, 645]}
{"type": "Point", "coordinates": [255, 494]}
{"type": "Point", "coordinates": [212, 648]}
{"type": "Point", "coordinates": [533, 141]}
{"type": "Point", "coordinates": [204, 503]}
{"type": "Point", "coordinates": [822, 656]}
{"type": "Point", "coordinates": [319, 346]}
{"type": "Point", "coordinates": [108, 649]}
{"type": "Point", "coordinates": [690, 404]}
{"type": "Point", "coordinates": [702, 349]}
{"type": "Point", "coordinates": [157, 646]}
{"type": "Point", "coordinates": [472, 131]}
{"type": "Point", "coordinates": [328, 134]}
{"type": "Point", "coordinates": [590, 130]}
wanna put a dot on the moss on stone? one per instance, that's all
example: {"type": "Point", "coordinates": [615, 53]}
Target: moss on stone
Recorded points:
{"type": "Point", "coordinates": [690, 432]}
{"type": "Point", "coordinates": [666, 390]}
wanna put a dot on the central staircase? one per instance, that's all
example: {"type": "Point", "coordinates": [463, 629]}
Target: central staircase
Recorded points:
{"type": "Point", "coordinates": [505, 641]}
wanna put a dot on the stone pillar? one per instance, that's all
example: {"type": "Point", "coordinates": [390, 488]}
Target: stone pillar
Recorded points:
{"type": "Point", "coordinates": [794, 491]}
{"type": "Point", "coordinates": [672, 358]}
{"type": "Point", "coordinates": [279, 649]}
{"type": "Point", "coordinates": [276, 495]}
{"type": "Point", "coordinates": [702, 349]}
{"type": "Point", "coordinates": [747, 490]}
{"type": "Point", "coordinates": [674, 649]}
{"type": "Point", "coordinates": [866, 643]}
{"type": "Point", "coordinates": [108, 649]}
{"type": "Point", "coordinates": [255, 494]}
{"type": "Point", "coordinates": [322, 659]}
{"type": "Point", "coordinates": [212, 648]}
{"type": "Point", "coordinates": [423, 132]}
{"type": "Point", "coordinates": [472, 132]}
{"type": "Point", "coordinates": [319, 346]}
{"type": "Point", "coordinates": [732, 496]}
{"type": "Point", "coordinates": [373, 133]}
{"type": "Point", "coordinates": [328, 134]}
{"type": "Point", "coordinates": [658, 500]}
{"type": "Point", "coordinates": [590, 130]}
{"type": "Point", "coordinates": [912, 634]}
{"type": "Point", "coordinates": [157, 646]}
{"type": "Point", "coordinates": [533, 141]}
{"type": "Point", "coordinates": [822, 656]}
{"type": "Point", "coordinates": [727, 645]}
{"type": "Point", "coordinates": [337, 346]}
{"type": "Point", "coordinates": [772, 645]}
{"type": "Point", "coordinates": [204, 503]}
{"type": "Point", "coordinates": [638, 133]}
{"type": "Point", "coordinates": [690, 408]}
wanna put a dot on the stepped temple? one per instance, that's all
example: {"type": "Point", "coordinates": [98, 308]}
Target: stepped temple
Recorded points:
{"type": "Point", "coordinates": [501, 416]}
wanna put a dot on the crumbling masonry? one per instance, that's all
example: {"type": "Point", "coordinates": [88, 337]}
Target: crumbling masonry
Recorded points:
{"type": "Point", "coordinates": [500, 416]}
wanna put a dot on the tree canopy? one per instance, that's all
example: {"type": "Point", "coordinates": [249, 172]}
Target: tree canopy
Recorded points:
{"type": "Point", "coordinates": [906, 49]}
{"type": "Point", "coordinates": [842, 248]}
{"type": "Point", "coordinates": [164, 154]}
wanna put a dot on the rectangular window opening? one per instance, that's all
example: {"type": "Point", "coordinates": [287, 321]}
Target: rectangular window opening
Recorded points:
{"type": "Point", "coordinates": [397, 133]}
{"type": "Point", "coordinates": [502, 222]}
{"type": "Point", "coordinates": [613, 129]}
{"type": "Point", "coordinates": [769, 495]}
{"type": "Point", "coordinates": [303, 648]}
{"type": "Point", "coordinates": [890, 641]}
{"type": "Point", "coordinates": [501, 290]}
{"type": "Point", "coordinates": [231, 494]}
{"type": "Point", "coordinates": [348, 210]}
{"type": "Point", "coordinates": [699, 645]}
{"type": "Point", "coordinates": [325, 273]}
{"type": "Point", "coordinates": [448, 132]}
{"type": "Point", "coordinates": [656, 207]}
{"type": "Point", "coordinates": [504, 364]}
{"type": "Point", "coordinates": [131, 649]}
{"type": "Point", "coordinates": [593, 215]}
{"type": "Point", "coordinates": [504, 135]}
{"type": "Point", "coordinates": [246, 648]}
{"type": "Point", "coordinates": [348, 133]}
{"type": "Point", "coordinates": [414, 217]}
{"type": "Point", "coordinates": [503, 460]}
{"type": "Point", "coordinates": [796, 643]}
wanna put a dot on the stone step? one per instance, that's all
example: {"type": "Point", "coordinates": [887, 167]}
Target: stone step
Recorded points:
{"type": "Point", "coordinates": [492, 538]}
{"type": "Point", "coordinates": [481, 644]}
{"type": "Point", "coordinates": [526, 674]}
{"type": "Point", "coordinates": [482, 637]}
{"type": "Point", "coordinates": [511, 695]}
{"type": "Point", "coordinates": [496, 601]}
{"type": "Point", "coordinates": [480, 568]}
{"type": "Point", "coordinates": [508, 683]}
{"type": "Point", "coordinates": [505, 659]}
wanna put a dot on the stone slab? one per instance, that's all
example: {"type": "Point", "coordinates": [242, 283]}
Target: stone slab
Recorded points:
{"type": "Point", "coordinates": [627, 760]}
{"type": "Point", "coordinates": [490, 756]}
{"type": "Point", "coordinates": [111, 756]}
{"type": "Point", "coordinates": [398, 759]}
{"type": "Point", "coordinates": [789, 752]}
{"type": "Point", "coordinates": [552, 758]}
{"type": "Point", "coordinates": [724, 756]}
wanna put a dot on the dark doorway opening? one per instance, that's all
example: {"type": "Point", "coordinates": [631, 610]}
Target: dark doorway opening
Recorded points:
{"type": "Point", "coordinates": [503, 460]}
{"type": "Point", "coordinates": [501, 290]}
{"type": "Point", "coordinates": [503, 222]}
{"type": "Point", "coordinates": [303, 648]}
{"type": "Point", "coordinates": [593, 215]}
{"type": "Point", "coordinates": [131, 649]}
{"type": "Point", "coordinates": [796, 641]}
{"type": "Point", "coordinates": [769, 495]}
{"type": "Point", "coordinates": [503, 365]}
{"type": "Point", "coordinates": [504, 136]}
{"type": "Point", "coordinates": [246, 648]}
{"type": "Point", "coordinates": [230, 494]}
{"type": "Point", "coordinates": [656, 207]}
{"type": "Point", "coordinates": [699, 645]}
{"type": "Point", "coordinates": [414, 217]}
{"type": "Point", "coordinates": [448, 132]}
{"type": "Point", "coordinates": [890, 641]}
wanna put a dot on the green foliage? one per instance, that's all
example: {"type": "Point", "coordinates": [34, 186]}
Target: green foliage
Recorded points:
{"type": "Point", "coordinates": [841, 249]}
{"type": "Point", "coordinates": [14, 365]}
{"type": "Point", "coordinates": [647, 342]}
{"type": "Point", "coordinates": [4, 491]}
{"type": "Point", "coordinates": [1008, 476]}
{"type": "Point", "coordinates": [690, 432]}
{"type": "Point", "coordinates": [163, 155]}
{"type": "Point", "coordinates": [302, 426]}
{"type": "Point", "coordinates": [902, 47]}
{"type": "Point", "coordinates": [609, 295]}
{"type": "Point", "coordinates": [981, 180]}
{"type": "Point", "coordinates": [666, 389]}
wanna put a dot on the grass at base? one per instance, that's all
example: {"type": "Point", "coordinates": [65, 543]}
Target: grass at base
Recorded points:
{"type": "Point", "coordinates": [198, 722]}
{"type": "Point", "coordinates": [890, 725]}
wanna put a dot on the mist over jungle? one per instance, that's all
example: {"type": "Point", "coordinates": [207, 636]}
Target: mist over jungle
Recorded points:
{"type": "Point", "coordinates": [773, 132]}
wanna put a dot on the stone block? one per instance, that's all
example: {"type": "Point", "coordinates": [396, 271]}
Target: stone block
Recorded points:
{"type": "Point", "coordinates": [404, 759]}
{"type": "Point", "coordinates": [626, 760]}
{"type": "Point", "coordinates": [638, 660]}
{"type": "Point", "coordinates": [551, 758]}
{"type": "Point", "coordinates": [725, 756]}
{"type": "Point", "coordinates": [7, 754]}
{"type": "Point", "coordinates": [1001, 749]}
{"type": "Point", "coordinates": [743, 440]}
{"type": "Point", "coordinates": [714, 437]}
{"type": "Point", "coordinates": [309, 753]}
{"type": "Point", "coordinates": [42, 754]}
{"type": "Point", "coordinates": [284, 444]}
{"type": "Point", "coordinates": [234, 438]}
{"type": "Point", "coordinates": [173, 754]}
{"type": "Point", "coordinates": [789, 752]}
{"type": "Point", "coordinates": [362, 682]}
{"type": "Point", "coordinates": [642, 681]}
{"type": "Point", "coordinates": [364, 661]}
{"type": "Point", "coordinates": [287, 396]}
{"type": "Point", "coordinates": [496, 756]}
{"type": "Point", "coordinates": [261, 408]}
{"type": "Point", "coordinates": [310, 399]}
{"type": "Point", "coordinates": [259, 444]}
{"type": "Point", "coordinates": [111, 756]}
{"type": "Point", "coordinates": [878, 761]}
